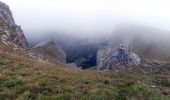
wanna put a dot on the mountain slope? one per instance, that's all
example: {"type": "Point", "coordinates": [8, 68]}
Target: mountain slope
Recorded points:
{"type": "Point", "coordinates": [22, 78]}
{"type": "Point", "coordinates": [51, 51]}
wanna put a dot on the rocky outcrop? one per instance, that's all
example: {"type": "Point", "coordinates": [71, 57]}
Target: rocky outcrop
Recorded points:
{"type": "Point", "coordinates": [51, 51]}
{"type": "Point", "coordinates": [110, 58]}
{"type": "Point", "coordinates": [12, 38]}
{"type": "Point", "coordinates": [10, 33]}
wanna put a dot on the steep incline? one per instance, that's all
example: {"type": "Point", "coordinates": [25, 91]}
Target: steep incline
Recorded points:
{"type": "Point", "coordinates": [10, 33]}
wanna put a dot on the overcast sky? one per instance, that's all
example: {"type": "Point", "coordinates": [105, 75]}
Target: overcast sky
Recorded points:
{"type": "Point", "coordinates": [87, 17]}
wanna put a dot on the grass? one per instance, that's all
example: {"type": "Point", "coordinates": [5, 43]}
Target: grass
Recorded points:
{"type": "Point", "coordinates": [24, 79]}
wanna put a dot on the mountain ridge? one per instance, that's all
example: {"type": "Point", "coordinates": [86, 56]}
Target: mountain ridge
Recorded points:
{"type": "Point", "coordinates": [36, 74]}
{"type": "Point", "coordinates": [51, 51]}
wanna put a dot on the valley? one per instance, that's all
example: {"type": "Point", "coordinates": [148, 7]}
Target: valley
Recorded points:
{"type": "Point", "coordinates": [128, 64]}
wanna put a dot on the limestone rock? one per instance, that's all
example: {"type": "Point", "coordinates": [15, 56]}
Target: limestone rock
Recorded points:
{"type": "Point", "coordinates": [10, 33]}
{"type": "Point", "coordinates": [110, 58]}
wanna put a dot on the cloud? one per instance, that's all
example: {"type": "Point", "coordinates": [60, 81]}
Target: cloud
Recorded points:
{"type": "Point", "coordinates": [87, 17]}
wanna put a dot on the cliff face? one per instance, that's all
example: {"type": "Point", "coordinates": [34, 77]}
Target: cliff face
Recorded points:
{"type": "Point", "coordinates": [10, 33]}
{"type": "Point", "coordinates": [12, 36]}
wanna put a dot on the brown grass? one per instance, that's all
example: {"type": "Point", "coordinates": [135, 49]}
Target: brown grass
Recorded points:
{"type": "Point", "coordinates": [22, 78]}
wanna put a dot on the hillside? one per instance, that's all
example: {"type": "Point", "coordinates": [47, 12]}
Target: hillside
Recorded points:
{"type": "Point", "coordinates": [41, 72]}
{"type": "Point", "coordinates": [51, 51]}
{"type": "Point", "coordinates": [22, 78]}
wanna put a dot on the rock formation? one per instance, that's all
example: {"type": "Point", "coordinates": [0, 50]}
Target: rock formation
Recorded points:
{"type": "Point", "coordinates": [117, 54]}
{"type": "Point", "coordinates": [12, 36]}
{"type": "Point", "coordinates": [10, 33]}
{"type": "Point", "coordinates": [110, 58]}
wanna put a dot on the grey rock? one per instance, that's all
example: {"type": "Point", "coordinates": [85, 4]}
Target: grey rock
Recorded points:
{"type": "Point", "coordinates": [13, 36]}
{"type": "Point", "coordinates": [111, 58]}
{"type": "Point", "coordinates": [10, 33]}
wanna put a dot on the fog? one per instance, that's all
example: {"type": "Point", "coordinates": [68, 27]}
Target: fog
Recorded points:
{"type": "Point", "coordinates": [87, 17]}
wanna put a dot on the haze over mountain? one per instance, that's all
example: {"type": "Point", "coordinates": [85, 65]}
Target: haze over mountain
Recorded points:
{"type": "Point", "coordinates": [81, 28]}
{"type": "Point", "coordinates": [132, 62]}
{"type": "Point", "coordinates": [87, 18]}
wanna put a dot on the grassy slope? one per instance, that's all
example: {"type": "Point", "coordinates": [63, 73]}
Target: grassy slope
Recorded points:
{"type": "Point", "coordinates": [24, 79]}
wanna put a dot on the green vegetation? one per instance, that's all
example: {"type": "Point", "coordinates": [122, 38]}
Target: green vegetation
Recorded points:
{"type": "Point", "coordinates": [24, 79]}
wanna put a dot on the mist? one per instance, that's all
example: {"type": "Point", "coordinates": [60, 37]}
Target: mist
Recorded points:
{"type": "Point", "coordinates": [87, 18]}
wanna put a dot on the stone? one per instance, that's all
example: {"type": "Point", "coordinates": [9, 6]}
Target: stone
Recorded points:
{"type": "Point", "coordinates": [10, 33]}
{"type": "Point", "coordinates": [110, 58]}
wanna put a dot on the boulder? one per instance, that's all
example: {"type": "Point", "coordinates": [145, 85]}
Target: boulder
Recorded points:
{"type": "Point", "coordinates": [115, 58]}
